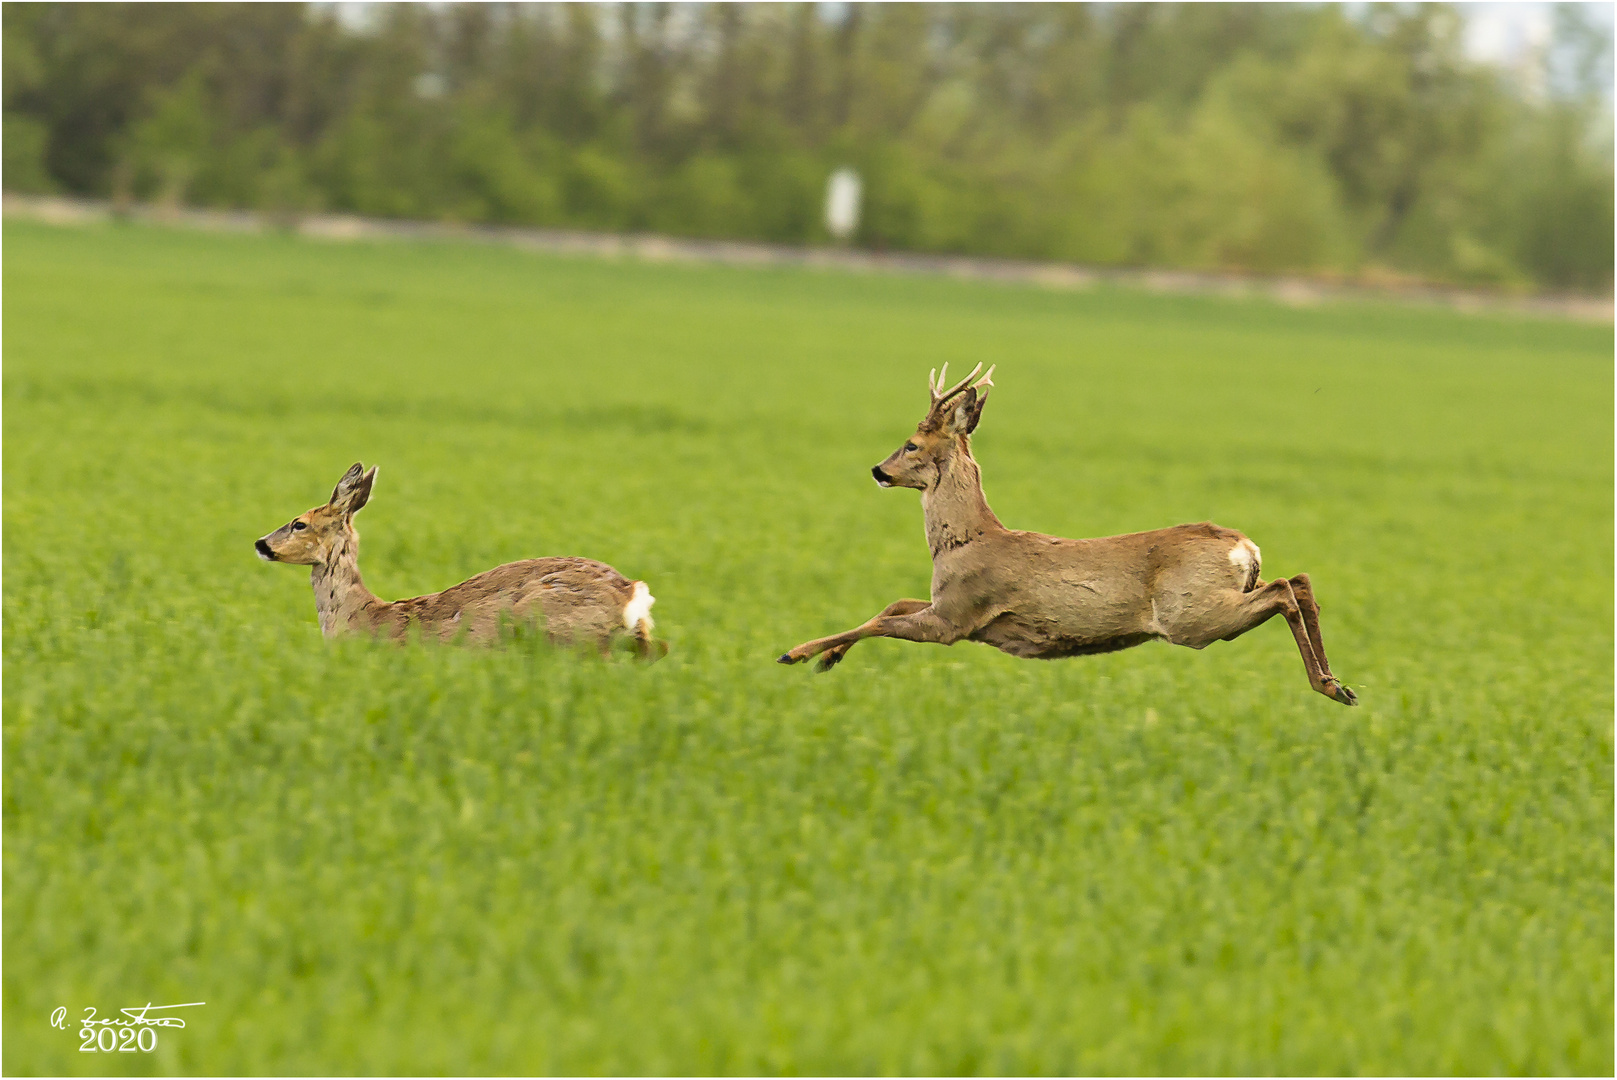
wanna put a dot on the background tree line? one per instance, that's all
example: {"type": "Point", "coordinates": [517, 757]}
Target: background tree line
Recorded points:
{"type": "Point", "coordinates": [1353, 141]}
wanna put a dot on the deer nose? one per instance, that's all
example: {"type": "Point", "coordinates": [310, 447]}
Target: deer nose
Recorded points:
{"type": "Point", "coordinates": [881, 478]}
{"type": "Point", "coordinates": [263, 550]}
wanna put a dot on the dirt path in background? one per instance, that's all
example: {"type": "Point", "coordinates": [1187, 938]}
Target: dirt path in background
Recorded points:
{"type": "Point", "coordinates": [1295, 291]}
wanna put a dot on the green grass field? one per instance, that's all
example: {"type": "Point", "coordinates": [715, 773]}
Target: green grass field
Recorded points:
{"type": "Point", "coordinates": [367, 858]}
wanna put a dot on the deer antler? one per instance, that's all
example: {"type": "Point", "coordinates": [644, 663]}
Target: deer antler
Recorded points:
{"type": "Point", "coordinates": [936, 385]}
{"type": "Point", "coordinates": [984, 384]}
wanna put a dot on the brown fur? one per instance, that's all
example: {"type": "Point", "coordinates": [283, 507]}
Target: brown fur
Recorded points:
{"type": "Point", "coordinates": [579, 600]}
{"type": "Point", "coordinates": [1044, 597]}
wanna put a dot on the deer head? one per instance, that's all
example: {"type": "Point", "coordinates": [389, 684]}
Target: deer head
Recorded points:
{"type": "Point", "coordinates": [311, 538]}
{"type": "Point", "coordinates": [952, 416]}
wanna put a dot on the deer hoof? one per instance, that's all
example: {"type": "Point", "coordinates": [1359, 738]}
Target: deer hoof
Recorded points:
{"type": "Point", "coordinates": [1341, 693]}
{"type": "Point", "coordinates": [785, 658]}
{"type": "Point", "coordinates": [830, 660]}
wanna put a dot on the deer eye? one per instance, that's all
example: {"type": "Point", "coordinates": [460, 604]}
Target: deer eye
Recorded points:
{"type": "Point", "coordinates": [299, 526]}
{"type": "Point", "coordinates": [910, 448]}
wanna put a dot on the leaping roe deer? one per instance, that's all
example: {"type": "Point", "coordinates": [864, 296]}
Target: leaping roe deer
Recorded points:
{"type": "Point", "coordinates": [1045, 597]}
{"type": "Point", "coordinates": [581, 601]}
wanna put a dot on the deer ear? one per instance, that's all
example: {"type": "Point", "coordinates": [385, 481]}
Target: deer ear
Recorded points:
{"type": "Point", "coordinates": [353, 491]}
{"type": "Point", "coordinates": [962, 419]}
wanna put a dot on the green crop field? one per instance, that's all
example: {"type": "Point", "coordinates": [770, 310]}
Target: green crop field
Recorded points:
{"type": "Point", "coordinates": [369, 858]}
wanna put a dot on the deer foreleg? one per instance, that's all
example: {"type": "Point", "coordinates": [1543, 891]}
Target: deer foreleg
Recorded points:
{"type": "Point", "coordinates": [911, 624]}
{"type": "Point", "coordinates": [833, 656]}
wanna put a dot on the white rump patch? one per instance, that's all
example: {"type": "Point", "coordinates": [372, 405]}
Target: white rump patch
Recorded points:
{"type": "Point", "coordinates": [1247, 558]}
{"type": "Point", "coordinates": [637, 612]}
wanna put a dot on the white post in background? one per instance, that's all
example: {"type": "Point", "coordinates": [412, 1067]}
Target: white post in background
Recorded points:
{"type": "Point", "coordinates": [842, 204]}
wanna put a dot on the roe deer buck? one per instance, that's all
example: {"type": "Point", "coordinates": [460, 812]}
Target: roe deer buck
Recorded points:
{"type": "Point", "coordinates": [1040, 596]}
{"type": "Point", "coordinates": [582, 601]}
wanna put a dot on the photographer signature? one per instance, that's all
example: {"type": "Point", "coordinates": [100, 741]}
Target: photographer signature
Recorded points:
{"type": "Point", "coordinates": [137, 1016]}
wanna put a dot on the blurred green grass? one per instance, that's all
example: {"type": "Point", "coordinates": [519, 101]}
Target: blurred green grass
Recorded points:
{"type": "Point", "coordinates": [372, 859]}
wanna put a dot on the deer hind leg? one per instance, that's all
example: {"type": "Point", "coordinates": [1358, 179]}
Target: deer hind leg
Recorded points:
{"type": "Point", "coordinates": [648, 648]}
{"type": "Point", "coordinates": [1303, 590]}
{"type": "Point", "coordinates": [921, 624]}
{"type": "Point", "coordinates": [1240, 612]}
{"type": "Point", "coordinates": [833, 656]}
{"type": "Point", "coordinates": [645, 646]}
{"type": "Point", "coordinates": [636, 618]}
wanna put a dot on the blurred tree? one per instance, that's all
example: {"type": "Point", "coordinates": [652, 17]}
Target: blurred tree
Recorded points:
{"type": "Point", "coordinates": [172, 144]}
{"type": "Point", "coordinates": [1341, 139]}
{"type": "Point", "coordinates": [26, 136]}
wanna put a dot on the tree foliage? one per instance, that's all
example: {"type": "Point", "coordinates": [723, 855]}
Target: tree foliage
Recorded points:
{"type": "Point", "coordinates": [1318, 138]}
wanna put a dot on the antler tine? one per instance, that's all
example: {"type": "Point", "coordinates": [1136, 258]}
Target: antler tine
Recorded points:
{"type": "Point", "coordinates": [986, 380]}
{"type": "Point", "coordinates": [935, 386]}
{"type": "Point", "coordinates": [932, 384]}
{"type": "Point", "coordinates": [959, 386]}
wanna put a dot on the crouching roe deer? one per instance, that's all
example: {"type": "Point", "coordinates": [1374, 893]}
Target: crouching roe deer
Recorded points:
{"type": "Point", "coordinates": [581, 601]}
{"type": "Point", "coordinates": [1044, 597]}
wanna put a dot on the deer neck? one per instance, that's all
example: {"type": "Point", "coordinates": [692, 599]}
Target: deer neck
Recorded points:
{"type": "Point", "coordinates": [340, 595]}
{"type": "Point", "coordinates": [956, 511]}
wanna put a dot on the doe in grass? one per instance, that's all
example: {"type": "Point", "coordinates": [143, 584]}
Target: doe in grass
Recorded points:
{"type": "Point", "coordinates": [581, 602]}
{"type": "Point", "coordinates": [1045, 597]}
